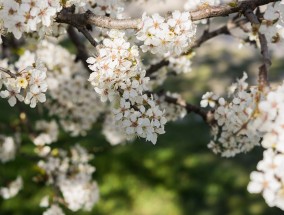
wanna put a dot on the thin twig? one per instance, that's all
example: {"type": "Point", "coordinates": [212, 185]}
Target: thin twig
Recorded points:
{"type": "Point", "coordinates": [264, 68]}
{"type": "Point", "coordinates": [207, 116]}
{"type": "Point", "coordinates": [205, 37]}
{"type": "Point", "coordinates": [12, 75]}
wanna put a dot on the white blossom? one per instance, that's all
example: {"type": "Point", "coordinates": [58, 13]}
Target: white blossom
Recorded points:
{"type": "Point", "coordinates": [54, 210]}
{"type": "Point", "coordinates": [71, 173]}
{"type": "Point", "coordinates": [12, 189]}
{"type": "Point", "coordinates": [210, 99]}
{"type": "Point", "coordinates": [273, 24]}
{"type": "Point", "coordinates": [49, 132]}
{"type": "Point", "coordinates": [8, 148]}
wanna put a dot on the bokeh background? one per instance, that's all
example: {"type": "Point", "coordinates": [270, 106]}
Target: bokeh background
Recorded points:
{"type": "Point", "coordinates": [177, 176]}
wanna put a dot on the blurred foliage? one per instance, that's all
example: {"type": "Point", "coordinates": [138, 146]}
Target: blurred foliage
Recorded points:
{"type": "Point", "coordinates": [178, 176]}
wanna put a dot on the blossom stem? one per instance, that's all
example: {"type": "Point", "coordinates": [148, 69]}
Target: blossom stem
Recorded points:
{"type": "Point", "coordinates": [8, 72]}
{"type": "Point", "coordinates": [263, 69]}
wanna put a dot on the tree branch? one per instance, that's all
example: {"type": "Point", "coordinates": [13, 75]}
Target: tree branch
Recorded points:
{"type": "Point", "coordinates": [155, 67]}
{"type": "Point", "coordinates": [81, 21]}
{"type": "Point", "coordinates": [224, 30]}
{"type": "Point", "coordinates": [82, 53]}
{"type": "Point", "coordinates": [66, 15]}
{"type": "Point", "coordinates": [89, 18]}
{"type": "Point", "coordinates": [12, 75]}
{"type": "Point", "coordinates": [205, 37]}
{"type": "Point", "coordinates": [225, 10]}
{"type": "Point", "coordinates": [207, 116]}
{"type": "Point", "coordinates": [264, 68]}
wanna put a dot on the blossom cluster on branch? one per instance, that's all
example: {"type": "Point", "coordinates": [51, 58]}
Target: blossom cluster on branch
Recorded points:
{"type": "Point", "coordinates": [272, 25]}
{"type": "Point", "coordinates": [161, 36]}
{"type": "Point", "coordinates": [26, 82]}
{"type": "Point", "coordinates": [268, 179]}
{"type": "Point", "coordinates": [118, 77]}
{"type": "Point", "coordinates": [233, 132]}
{"type": "Point", "coordinates": [28, 16]}
{"type": "Point", "coordinates": [70, 173]}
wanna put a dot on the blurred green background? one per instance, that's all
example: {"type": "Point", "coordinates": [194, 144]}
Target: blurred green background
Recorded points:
{"type": "Point", "coordinates": [177, 176]}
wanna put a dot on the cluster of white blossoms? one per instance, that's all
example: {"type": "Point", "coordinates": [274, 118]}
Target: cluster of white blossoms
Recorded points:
{"type": "Point", "coordinates": [48, 132]}
{"type": "Point", "coordinates": [181, 64]}
{"type": "Point", "coordinates": [77, 107]}
{"type": "Point", "coordinates": [272, 25]}
{"type": "Point", "coordinates": [119, 78]}
{"type": "Point", "coordinates": [71, 97]}
{"type": "Point", "coordinates": [161, 35]}
{"type": "Point", "coordinates": [144, 119]}
{"type": "Point", "coordinates": [113, 132]}
{"type": "Point", "coordinates": [28, 15]}
{"type": "Point", "coordinates": [251, 118]}
{"type": "Point", "coordinates": [71, 173]}
{"type": "Point", "coordinates": [173, 111]}
{"type": "Point", "coordinates": [233, 131]}
{"type": "Point", "coordinates": [26, 83]}
{"type": "Point", "coordinates": [269, 178]}
{"type": "Point", "coordinates": [12, 189]}
{"type": "Point", "coordinates": [8, 148]}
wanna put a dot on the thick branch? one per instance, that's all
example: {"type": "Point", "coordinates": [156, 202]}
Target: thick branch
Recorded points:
{"type": "Point", "coordinates": [82, 53]}
{"type": "Point", "coordinates": [155, 67]}
{"type": "Point", "coordinates": [225, 10]}
{"type": "Point", "coordinates": [78, 21]}
{"type": "Point", "coordinates": [89, 18]}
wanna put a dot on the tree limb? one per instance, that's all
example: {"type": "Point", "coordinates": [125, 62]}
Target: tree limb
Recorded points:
{"type": "Point", "coordinates": [82, 53]}
{"type": "Point", "coordinates": [207, 116]}
{"type": "Point", "coordinates": [12, 75]}
{"type": "Point", "coordinates": [264, 68]}
{"type": "Point", "coordinates": [89, 18]}
{"type": "Point", "coordinates": [66, 15]}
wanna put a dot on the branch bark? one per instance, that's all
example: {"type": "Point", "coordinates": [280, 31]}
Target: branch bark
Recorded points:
{"type": "Point", "coordinates": [264, 68]}
{"type": "Point", "coordinates": [66, 15]}
{"type": "Point", "coordinates": [89, 18]}
{"type": "Point", "coordinates": [207, 116]}
{"type": "Point", "coordinates": [82, 53]}
{"type": "Point", "coordinates": [12, 75]}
